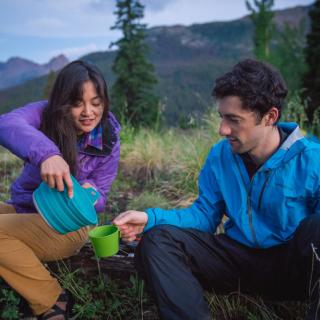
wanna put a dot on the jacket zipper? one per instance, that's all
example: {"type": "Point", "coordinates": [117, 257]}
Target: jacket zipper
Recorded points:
{"type": "Point", "coordinates": [249, 198]}
{"type": "Point", "coordinates": [263, 188]}
{"type": "Point", "coordinates": [250, 217]}
{"type": "Point", "coordinates": [253, 233]}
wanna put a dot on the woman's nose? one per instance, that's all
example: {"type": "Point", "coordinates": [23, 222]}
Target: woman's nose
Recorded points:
{"type": "Point", "coordinates": [86, 110]}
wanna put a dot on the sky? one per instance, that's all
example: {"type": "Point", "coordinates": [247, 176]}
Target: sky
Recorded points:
{"type": "Point", "coordinates": [41, 29]}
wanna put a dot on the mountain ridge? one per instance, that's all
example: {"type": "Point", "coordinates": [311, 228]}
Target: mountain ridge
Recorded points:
{"type": "Point", "coordinates": [17, 70]}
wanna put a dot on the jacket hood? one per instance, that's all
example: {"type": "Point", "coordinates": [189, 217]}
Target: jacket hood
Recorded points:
{"type": "Point", "coordinates": [292, 146]}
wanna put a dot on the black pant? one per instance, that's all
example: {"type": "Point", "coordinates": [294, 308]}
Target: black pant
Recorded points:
{"type": "Point", "coordinates": [178, 264]}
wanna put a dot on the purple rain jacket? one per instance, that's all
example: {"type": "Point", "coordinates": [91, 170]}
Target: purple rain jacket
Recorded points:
{"type": "Point", "coordinates": [19, 133]}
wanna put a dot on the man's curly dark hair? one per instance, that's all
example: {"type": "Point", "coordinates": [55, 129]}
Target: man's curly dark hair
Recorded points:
{"type": "Point", "coordinates": [258, 85]}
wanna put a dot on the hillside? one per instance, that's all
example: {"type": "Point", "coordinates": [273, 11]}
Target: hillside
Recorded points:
{"type": "Point", "coordinates": [18, 70]}
{"type": "Point", "coordinates": [187, 60]}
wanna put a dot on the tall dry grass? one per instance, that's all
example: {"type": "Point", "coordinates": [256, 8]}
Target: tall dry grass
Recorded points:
{"type": "Point", "coordinates": [10, 167]}
{"type": "Point", "coordinates": [168, 162]}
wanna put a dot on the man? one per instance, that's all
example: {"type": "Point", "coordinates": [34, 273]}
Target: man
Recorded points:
{"type": "Point", "coordinates": [265, 177]}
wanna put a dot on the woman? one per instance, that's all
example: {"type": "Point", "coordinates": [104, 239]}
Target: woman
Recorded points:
{"type": "Point", "coordinates": [72, 133]}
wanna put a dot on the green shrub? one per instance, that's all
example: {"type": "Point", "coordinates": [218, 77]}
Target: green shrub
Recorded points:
{"type": "Point", "coordinates": [9, 303]}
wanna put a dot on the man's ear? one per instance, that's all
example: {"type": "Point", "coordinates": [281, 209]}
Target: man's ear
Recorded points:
{"type": "Point", "coordinates": [271, 116]}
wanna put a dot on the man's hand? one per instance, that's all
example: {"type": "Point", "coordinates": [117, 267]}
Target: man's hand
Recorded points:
{"type": "Point", "coordinates": [130, 224]}
{"type": "Point", "coordinates": [55, 172]}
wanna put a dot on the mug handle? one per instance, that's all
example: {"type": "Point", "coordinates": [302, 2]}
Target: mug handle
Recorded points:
{"type": "Point", "coordinates": [119, 234]}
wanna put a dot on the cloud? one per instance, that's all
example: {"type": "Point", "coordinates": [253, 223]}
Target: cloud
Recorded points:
{"type": "Point", "coordinates": [92, 18]}
{"type": "Point", "coordinates": [46, 23]}
{"type": "Point", "coordinates": [76, 52]}
{"type": "Point", "coordinates": [156, 5]}
{"type": "Point", "coordinates": [188, 12]}
{"type": "Point", "coordinates": [101, 5]}
{"type": "Point", "coordinates": [152, 5]}
{"type": "Point", "coordinates": [56, 18]}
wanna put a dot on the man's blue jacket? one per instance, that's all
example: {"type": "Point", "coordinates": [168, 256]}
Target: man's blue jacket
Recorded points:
{"type": "Point", "coordinates": [262, 212]}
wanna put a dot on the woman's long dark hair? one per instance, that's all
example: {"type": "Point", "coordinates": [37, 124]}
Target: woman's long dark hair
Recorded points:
{"type": "Point", "coordinates": [57, 122]}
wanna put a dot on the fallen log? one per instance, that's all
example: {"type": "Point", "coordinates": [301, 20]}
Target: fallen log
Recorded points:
{"type": "Point", "coordinates": [119, 266]}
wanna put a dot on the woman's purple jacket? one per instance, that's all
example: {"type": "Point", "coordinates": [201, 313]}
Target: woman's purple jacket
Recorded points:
{"type": "Point", "coordinates": [19, 133]}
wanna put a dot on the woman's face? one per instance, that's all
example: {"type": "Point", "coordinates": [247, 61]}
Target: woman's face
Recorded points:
{"type": "Point", "coordinates": [87, 112]}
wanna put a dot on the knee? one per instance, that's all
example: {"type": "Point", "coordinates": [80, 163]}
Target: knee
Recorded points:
{"type": "Point", "coordinates": [308, 232]}
{"type": "Point", "coordinates": [153, 247]}
{"type": "Point", "coordinates": [310, 226]}
{"type": "Point", "coordinates": [153, 243]}
{"type": "Point", "coordinates": [154, 237]}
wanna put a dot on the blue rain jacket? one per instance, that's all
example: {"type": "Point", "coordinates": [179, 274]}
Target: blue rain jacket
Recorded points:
{"type": "Point", "coordinates": [262, 212]}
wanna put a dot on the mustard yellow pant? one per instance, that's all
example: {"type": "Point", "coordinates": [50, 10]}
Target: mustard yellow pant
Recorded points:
{"type": "Point", "coordinates": [25, 241]}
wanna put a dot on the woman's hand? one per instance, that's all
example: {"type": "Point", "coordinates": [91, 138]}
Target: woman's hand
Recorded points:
{"type": "Point", "coordinates": [131, 223]}
{"type": "Point", "coordinates": [55, 172]}
{"type": "Point", "coordinates": [87, 185]}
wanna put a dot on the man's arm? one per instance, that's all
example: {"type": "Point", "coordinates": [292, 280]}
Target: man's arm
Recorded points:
{"type": "Point", "coordinates": [204, 214]}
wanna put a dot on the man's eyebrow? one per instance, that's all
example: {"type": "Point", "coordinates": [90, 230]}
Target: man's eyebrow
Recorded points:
{"type": "Point", "coordinates": [231, 115]}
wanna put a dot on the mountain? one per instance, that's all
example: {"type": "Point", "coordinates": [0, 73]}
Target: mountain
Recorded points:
{"type": "Point", "coordinates": [187, 61]}
{"type": "Point", "coordinates": [17, 70]}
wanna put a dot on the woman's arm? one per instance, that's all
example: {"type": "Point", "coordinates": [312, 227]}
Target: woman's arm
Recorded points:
{"type": "Point", "coordinates": [19, 133]}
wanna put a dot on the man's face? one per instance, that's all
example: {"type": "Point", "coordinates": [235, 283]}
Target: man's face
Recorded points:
{"type": "Point", "coordinates": [240, 126]}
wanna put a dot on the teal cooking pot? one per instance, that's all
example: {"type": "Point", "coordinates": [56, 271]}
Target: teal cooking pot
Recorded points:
{"type": "Point", "coordinates": [65, 214]}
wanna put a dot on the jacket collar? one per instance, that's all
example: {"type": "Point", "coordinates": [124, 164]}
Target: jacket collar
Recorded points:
{"type": "Point", "coordinates": [110, 136]}
{"type": "Point", "coordinates": [294, 134]}
{"type": "Point", "coordinates": [93, 139]}
{"type": "Point", "coordinates": [294, 144]}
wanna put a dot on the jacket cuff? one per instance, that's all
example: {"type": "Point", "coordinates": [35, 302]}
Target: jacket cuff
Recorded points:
{"type": "Point", "coordinates": [151, 219]}
{"type": "Point", "coordinates": [47, 156]}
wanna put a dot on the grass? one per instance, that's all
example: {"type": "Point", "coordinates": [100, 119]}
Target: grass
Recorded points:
{"type": "Point", "coordinates": [168, 162]}
{"type": "Point", "coordinates": [10, 166]}
{"type": "Point", "coordinates": [102, 298]}
{"type": "Point", "coordinates": [148, 199]}
{"type": "Point", "coordinates": [9, 302]}
{"type": "Point", "coordinates": [237, 306]}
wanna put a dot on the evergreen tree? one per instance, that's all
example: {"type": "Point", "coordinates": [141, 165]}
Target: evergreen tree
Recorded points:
{"type": "Point", "coordinates": [311, 81]}
{"type": "Point", "coordinates": [132, 94]}
{"type": "Point", "coordinates": [50, 81]}
{"type": "Point", "coordinates": [287, 56]}
{"type": "Point", "coordinates": [261, 16]}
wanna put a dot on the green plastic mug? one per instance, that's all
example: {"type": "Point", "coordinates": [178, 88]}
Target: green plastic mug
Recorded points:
{"type": "Point", "coordinates": [105, 240]}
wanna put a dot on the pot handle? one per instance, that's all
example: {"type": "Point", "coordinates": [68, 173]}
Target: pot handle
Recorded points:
{"type": "Point", "coordinates": [93, 194]}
